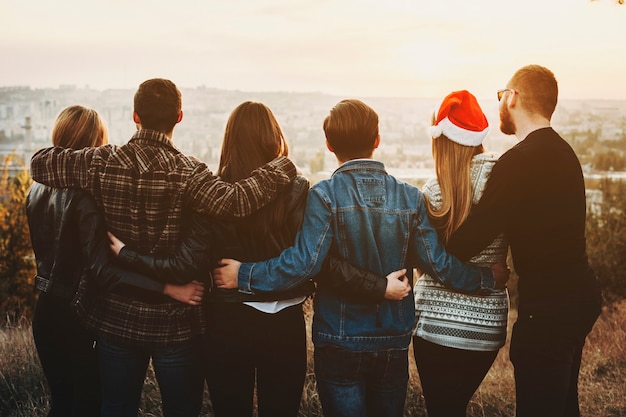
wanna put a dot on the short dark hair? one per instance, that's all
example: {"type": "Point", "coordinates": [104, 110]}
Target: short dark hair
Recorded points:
{"type": "Point", "coordinates": [538, 89]}
{"type": "Point", "coordinates": [351, 129]}
{"type": "Point", "coordinates": [158, 103]}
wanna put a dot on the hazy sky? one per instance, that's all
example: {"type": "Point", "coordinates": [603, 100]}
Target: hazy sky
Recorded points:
{"type": "Point", "coordinates": [344, 47]}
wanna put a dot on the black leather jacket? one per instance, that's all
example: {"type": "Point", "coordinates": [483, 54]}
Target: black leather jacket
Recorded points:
{"type": "Point", "coordinates": [69, 240]}
{"type": "Point", "coordinates": [190, 261]}
{"type": "Point", "coordinates": [223, 239]}
{"type": "Point", "coordinates": [232, 240]}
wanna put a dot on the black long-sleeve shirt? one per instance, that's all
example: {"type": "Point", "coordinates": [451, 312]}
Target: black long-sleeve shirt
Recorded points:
{"type": "Point", "coordinates": [536, 196]}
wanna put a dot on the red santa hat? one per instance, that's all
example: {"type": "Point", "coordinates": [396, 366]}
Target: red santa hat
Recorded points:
{"type": "Point", "coordinates": [461, 119]}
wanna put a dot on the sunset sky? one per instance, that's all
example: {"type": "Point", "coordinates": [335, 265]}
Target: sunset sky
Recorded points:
{"type": "Point", "coordinates": [342, 47]}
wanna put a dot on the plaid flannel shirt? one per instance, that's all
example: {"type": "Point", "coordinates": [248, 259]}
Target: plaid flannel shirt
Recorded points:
{"type": "Point", "coordinates": [143, 187]}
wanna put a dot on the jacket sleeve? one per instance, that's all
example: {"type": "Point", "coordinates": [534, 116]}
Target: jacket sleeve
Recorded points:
{"type": "Point", "coordinates": [351, 281]}
{"type": "Point", "coordinates": [298, 263]}
{"type": "Point", "coordinates": [190, 261]}
{"type": "Point", "coordinates": [432, 258]}
{"type": "Point", "coordinates": [208, 194]}
{"type": "Point", "coordinates": [100, 267]}
{"type": "Point", "coordinates": [64, 167]}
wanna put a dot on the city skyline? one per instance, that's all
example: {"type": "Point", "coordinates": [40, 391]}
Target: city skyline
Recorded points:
{"type": "Point", "coordinates": [396, 48]}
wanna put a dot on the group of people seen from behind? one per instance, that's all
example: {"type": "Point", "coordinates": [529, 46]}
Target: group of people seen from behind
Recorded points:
{"type": "Point", "coordinates": [145, 256]}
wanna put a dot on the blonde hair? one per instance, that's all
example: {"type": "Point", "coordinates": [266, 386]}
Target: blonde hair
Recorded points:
{"type": "Point", "coordinates": [452, 167]}
{"type": "Point", "coordinates": [78, 127]}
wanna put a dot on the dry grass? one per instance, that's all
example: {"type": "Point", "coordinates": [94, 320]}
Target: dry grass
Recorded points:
{"type": "Point", "coordinates": [602, 378]}
{"type": "Point", "coordinates": [23, 391]}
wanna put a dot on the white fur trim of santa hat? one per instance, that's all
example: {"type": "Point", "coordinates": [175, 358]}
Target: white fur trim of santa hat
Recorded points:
{"type": "Point", "coordinates": [461, 120]}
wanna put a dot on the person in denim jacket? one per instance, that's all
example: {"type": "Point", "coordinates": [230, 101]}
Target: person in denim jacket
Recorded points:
{"type": "Point", "coordinates": [378, 223]}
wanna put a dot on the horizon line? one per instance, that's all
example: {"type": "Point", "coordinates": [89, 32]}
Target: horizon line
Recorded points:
{"type": "Point", "coordinates": [203, 86]}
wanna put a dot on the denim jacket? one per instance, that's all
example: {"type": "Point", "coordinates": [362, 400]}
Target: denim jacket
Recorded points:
{"type": "Point", "coordinates": [379, 223]}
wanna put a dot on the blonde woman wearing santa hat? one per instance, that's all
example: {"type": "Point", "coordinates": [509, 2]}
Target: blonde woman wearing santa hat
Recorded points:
{"type": "Point", "coordinates": [458, 335]}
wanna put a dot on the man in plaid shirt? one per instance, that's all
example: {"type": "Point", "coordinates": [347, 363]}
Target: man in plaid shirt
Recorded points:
{"type": "Point", "coordinates": [144, 189]}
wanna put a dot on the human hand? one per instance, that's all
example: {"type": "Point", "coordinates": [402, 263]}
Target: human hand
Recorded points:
{"type": "Point", "coordinates": [225, 275]}
{"type": "Point", "coordinates": [191, 293]}
{"type": "Point", "coordinates": [115, 244]}
{"type": "Point", "coordinates": [501, 274]}
{"type": "Point", "coordinates": [397, 285]}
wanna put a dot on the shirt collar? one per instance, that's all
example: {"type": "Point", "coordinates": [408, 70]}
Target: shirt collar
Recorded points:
{"type": "Point", "coordinates": [152, 135]}
{"type": "Point", "coordinates": [363, 164]}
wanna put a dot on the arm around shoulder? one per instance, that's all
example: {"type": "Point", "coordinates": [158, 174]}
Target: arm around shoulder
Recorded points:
{"type": "Point", "coordinates": [209, 194]}
{"type": "Point", "coordinates": [63, 167]}
{"type": "Point", "coordinates": [493, 212]}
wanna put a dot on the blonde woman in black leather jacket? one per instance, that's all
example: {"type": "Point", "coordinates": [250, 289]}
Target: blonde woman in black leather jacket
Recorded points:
{"type": "Point", "coordinates": [72, 254]}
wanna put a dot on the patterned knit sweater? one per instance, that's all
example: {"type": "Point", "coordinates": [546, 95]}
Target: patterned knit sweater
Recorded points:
{"type": "Point", "coordinates": [458, 320]}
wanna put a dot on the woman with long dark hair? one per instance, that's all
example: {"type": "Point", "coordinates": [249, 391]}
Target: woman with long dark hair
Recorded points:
{"type": "Point", "coordinates": [254, 339]}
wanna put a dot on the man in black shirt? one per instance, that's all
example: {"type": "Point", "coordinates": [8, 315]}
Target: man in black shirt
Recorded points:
{"type": "Point", "coordinates": [536, 196]}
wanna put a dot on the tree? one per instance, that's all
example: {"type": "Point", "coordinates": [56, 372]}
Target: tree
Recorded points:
{"type": "Point", "coordinates": [609, 161]}
{"type": "Point", "coordinates": [17, 264]}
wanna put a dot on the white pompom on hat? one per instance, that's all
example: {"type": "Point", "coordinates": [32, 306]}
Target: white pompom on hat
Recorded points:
{"type": "Point", "coordinates": [461, 119]}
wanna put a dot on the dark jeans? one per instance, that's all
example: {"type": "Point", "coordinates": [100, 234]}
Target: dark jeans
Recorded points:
{"type": "Point", "coordinates": [68, 358]}
{"type": "Point", "coordinates": [359, 384]}
{"type": "Point", "coordinates": [242, 343]}
{"type": "Point", "coordinates": [177, 369]}
{"type": "Point", "coordinates": [546, 351]}
{"type": "Point", "coordinates": [449, 376]}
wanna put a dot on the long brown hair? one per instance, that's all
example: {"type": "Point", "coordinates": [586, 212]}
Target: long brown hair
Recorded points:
{"type": "Point", "coordinates": [78, 127]}
{"type": "Point", "coordinates": [452, 166]}
{"type": "Point", "coordinates": [253, 138]}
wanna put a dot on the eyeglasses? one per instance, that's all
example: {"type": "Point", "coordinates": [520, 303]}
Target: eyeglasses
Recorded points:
{"type": "Point", "coordinates": [501, 92]}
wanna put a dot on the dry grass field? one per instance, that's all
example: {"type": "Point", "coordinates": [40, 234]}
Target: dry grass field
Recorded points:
{"type": "Point", "coordinates": [23, 391]}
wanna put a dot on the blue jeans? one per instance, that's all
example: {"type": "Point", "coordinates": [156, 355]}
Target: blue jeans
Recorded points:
{"type": "Point", "coordinates": [178, 372]}
{"type": "Point", "coordinates": [359, 384]}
